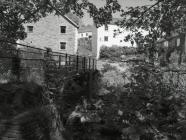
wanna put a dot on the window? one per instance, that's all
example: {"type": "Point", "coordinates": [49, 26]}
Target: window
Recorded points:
{"type": "Point", "coordinates": [81, 35]}
{"type": "Point", "coordinates": [63, 29]}
{"type": "Point", "coordinates": [106, 38]}
{"type": "Point", "coordinates": [62, 45]}
{"type": "Point", "coordinates": [86, 34]}
{"type": "Point", "coordinates": [106, 27]}
{"type": "Point", "coordinates": [30, 29]}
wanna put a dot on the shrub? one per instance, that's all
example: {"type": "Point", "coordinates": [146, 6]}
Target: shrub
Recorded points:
{"type": "Point", "coordinates": [6, 77]}
{"type": "Point", "coordinates": [146, 108]}
{"type": "Point", "coordinates": [113, 79]}
{"type": "Point", "coordinates": [152, 104]}
{"type": "Point", "coordinates": [115, 52]}
{"type": "Point", "coordinates": [108, 67]}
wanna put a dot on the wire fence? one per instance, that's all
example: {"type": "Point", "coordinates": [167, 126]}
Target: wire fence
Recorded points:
{"type": "Point", "coordinates": [26, 63]}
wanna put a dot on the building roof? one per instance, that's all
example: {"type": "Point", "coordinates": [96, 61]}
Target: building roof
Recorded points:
{"type": "Point", "coordinates": [88, 28]}
{"type": "Point", "coordinates": [73, 19]}
{"type": "Point", "coordinates": [69, 17]}
{"type": "Point", "coordinates": [91, 28]}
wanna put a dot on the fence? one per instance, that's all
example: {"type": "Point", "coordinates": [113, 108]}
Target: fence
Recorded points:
{"type": "Point", "coordinates": [26, 63]}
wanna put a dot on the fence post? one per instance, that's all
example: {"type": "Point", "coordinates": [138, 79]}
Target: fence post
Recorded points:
{"type": "Point", "coordinates": [84, 65]}
{"type": "Point", "coordinates": [89, 63]}
{"type": "Point", "coordinates": [16, 63]}
{"type": "Point", "coordinates": [59, 61]}
{"type": "Point", "coordinates": [69, 63]}
{"type": "Point", "coordinates": [93, 64]}
{"type": "Point", "coordinates": [66, 57]}
{"type": "Point", "coordinates": [77, 63]}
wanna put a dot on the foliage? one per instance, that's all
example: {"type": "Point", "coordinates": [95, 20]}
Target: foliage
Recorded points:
{"type": "Point", "coordinates": [157, 104]}
{"type": "Point", "coordinates": [9, 62]}
{"type": "Point", "coordinates": [107, 67]}
{"type": "Point", "coordinates": [145, 108]}
{"type": "Point", "coordinates": [18, 97]}
{"type": "Point", "coordinates": [160, 20]}
{"type": "Point", "coordinates": [112, 79]}
{"type": "Point", "coordinates": [115, 53]}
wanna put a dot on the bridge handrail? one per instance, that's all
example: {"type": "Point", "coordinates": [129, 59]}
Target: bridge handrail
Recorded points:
{"type": "Point", "coordinates": [77, 61]}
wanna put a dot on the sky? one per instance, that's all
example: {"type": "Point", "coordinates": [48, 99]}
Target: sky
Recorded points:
{"type": "Point", "coordinates": [124, 3]}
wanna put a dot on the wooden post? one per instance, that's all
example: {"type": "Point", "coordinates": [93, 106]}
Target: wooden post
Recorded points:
{"type": "Point", "coordinates": [69, 63]}
{"type": "Point", "coordinates": [89, 63]}
{"type": "Point", "coordinates": [90, 83]}
{"type": "Point", "coordinates": [77, 63]}
{"type": "Point", "coordinates": [93, 64]}
{"type": "Point", "coordinates": [59, 61]}
{"type": "Point", "coordinates": [18, 64]}
{"type": "Point", "coordinates": [69, 59]}
{"type": "Point", "coordinates": [66, 61]}
{"type": "Point", "coordinates": [96, 65]}
{"type": "Point", "coordinates": [84, 64]}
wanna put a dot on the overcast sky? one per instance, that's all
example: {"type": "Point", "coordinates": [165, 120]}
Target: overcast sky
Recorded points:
{"type": "Point", "coordinates": [124, 4]}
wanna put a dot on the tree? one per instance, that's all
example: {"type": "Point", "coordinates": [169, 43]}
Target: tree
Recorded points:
{"type": "Point", "coordinates": [13, 14]}
{"type": "Point", "coordinates": [159, 20]}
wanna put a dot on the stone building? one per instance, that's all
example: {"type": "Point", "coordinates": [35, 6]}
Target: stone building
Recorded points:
{"type": "Point", "coordinates": [59, 33]}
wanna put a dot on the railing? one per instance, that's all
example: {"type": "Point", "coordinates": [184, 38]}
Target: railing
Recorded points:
{"type": "Point", "coordinates": [23, 60]}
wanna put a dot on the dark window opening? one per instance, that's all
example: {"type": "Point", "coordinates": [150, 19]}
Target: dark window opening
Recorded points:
{"type": "Point", "coordinates": [106, 38]}
{"type": "Point", "coordinates": [106, 27]}
{"type": "Point", "coordinates": [62, 45]}
{"type": "Point", "coordinates": [30, 29]}
{"type": "Point", "coordinates": [63, 29]}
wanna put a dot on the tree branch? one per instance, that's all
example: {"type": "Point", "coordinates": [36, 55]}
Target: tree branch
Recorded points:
{"type": "Point", "coordinates": [143, 13]}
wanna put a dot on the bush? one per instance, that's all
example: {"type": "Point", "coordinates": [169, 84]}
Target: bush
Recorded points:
{"type": "Point", "coordinates": [19, 97]}
{"type": "Point", "coordinates": [146, 108]}
{"type": "Point", "coordinates": [108, 67]}
{"type": "Point", "coordinates": [115, 52]}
